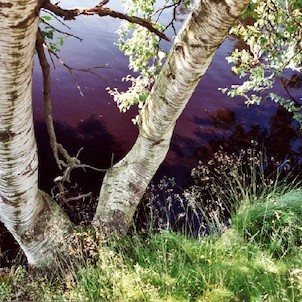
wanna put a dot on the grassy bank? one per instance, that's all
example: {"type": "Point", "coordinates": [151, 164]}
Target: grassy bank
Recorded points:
{"type": "Point", "coordinates": [240, 240]}
{"type": "Point", "coordinates": [259, 258]}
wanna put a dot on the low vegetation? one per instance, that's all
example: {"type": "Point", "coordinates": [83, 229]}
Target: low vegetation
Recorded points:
{"type": "Point", "coordinates": [252, 253]}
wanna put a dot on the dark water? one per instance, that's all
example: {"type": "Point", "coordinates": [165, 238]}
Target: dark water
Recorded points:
{"type": "Point", "coordinates": [211, 119]}
{"type": "Point", "coordinates": [94, 122]}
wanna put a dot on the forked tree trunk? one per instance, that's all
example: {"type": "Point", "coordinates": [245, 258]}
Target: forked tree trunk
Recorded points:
{"type": "Point", "coordinates": [34, 219]}
{"type": "Point", "coordinates": [190, 57]}
{"type": "Point", "coordinates": [37, 223]}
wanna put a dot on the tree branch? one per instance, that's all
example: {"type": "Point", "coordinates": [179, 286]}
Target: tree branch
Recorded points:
{"type": "Point", "coordinates": [61, 31]}
{"type": "Point", "coordinates": [71, 69]}
{"type": "Point", "coordinates": [56, 148]}
{"type": "Point", "coordinates": [47, 96]}
{"type": "Point", "coordinates": [71, 14]}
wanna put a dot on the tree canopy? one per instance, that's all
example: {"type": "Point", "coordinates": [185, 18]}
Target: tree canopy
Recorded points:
{"type": "Point", "coordinates": [272, 32]}
{"type": "Point", "coordinates": [271, 55]}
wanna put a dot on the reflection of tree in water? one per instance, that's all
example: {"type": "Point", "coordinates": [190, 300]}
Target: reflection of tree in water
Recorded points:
{"type": "Point", "coordinates": [275, 143]}
{"type": "Point", "coordinates": [227, 134]}
{"type": "Point", "coordinates": [99, 146]}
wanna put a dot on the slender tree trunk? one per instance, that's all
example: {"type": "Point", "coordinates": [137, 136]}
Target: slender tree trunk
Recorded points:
{"type": "Point", "coordinates": [190, 57]}
{"type": "Point", "coordinates": [34, 219]}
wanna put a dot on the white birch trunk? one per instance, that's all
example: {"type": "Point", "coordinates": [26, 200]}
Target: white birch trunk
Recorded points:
{"type": "Point", "coordinates": [190, 57]}
{"type": "Point", "coordinates": [36, 222]}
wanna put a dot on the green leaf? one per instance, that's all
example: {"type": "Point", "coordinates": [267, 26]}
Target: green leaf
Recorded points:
{"type": "Point", "coordinates": [61, 41]}
{"type": "Point", "coordinates": [46, 18]}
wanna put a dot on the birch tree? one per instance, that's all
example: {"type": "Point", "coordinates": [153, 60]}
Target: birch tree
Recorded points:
{"type": "Point", "coordinates": [34, 219]}
{"type": "Point", "coordinates": [191, 54]}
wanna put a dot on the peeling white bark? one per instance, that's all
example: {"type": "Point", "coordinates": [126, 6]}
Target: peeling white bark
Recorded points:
{"type": "Point", "coordinates": [190, 57]}
{"type": "Point", "coordinates": [35, 221]}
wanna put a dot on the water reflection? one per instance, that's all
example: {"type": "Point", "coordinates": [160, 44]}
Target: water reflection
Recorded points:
{"type": "Point", "coordinates": [100, 148]}
{"type": "Point", "coordinates": [209, 117]}
{"type": "Point", "coordinates": [277, 147]}
{"type": "Point", "coordinates": [281, 139]}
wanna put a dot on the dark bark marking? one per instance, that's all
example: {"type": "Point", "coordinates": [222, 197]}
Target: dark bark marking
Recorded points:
{"type": "Point", "coordinates": [7, 201]}
{"type": "Point", "coordinates": [171, 76]}
{"type": "Point", "coordinates": [6, 5]}
{"type": "Point", "coordinates": [180, 49]}
{"type": "Point", "coordinates": [6, 136]}
{"type": "Point", "coordinates": [157, 142]}
{"type": "Point", "coordinates": [164, 100]}
{"type": "Point", "coordinates": [170, 72]}
{"type": "Point", "coordinates": [218, 1]}
{"type": "Point", "coordinates": [28, 172]}
{"type": "Point", "coordinates": [134, 188]}
{"type": "Point", "coordinates": [24, 23]}
{"type": "Point", "coordinates": [117, 225]}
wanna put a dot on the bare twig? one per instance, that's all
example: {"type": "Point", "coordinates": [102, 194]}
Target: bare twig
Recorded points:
{"type": "Point", "coordinates": [60, 181]}
{"type": "Point", "coordinates": [73, 69]}
{"type": "Point", "coordinates": [286, 84]}
{"type": "Point", "coordinates": [69, 162]}
{"type": "Point", "coordinates": [61, 31]}
{"type": "Point", "coordinates": [100, 10]}
{"type": "Point", "coordinates": [176, 4]}
{"type": "Point", "coordinates": [166, 6]}
{"type": "Point", "coordinates": [47, 97]}
{"type": "Point", "coordinates": [56, 148]}
{"type": "Point", "coordinates": [112, 160]}
{"type": "Point", "coordinates": [57, 18]}
{"type": "Point", "coordinates": [81, 196]}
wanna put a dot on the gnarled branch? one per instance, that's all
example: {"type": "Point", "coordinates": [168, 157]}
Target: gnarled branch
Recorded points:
{"type": "Point", "coordinates": [47, 96]}
{"type": "Point", "coordinates": [71, 14]}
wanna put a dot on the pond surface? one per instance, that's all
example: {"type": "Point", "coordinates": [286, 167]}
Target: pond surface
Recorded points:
{"type": "Point", "coordinates": [93, 121]}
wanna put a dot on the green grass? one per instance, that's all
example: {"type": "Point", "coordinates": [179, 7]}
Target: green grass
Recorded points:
{"type": "Point", "coordinates": [171, 267]}
{"type": "Point", "coordinates": [274, 223]}
{"type": "Point", "coordinates": [258, 259]}
{"type": "Point", "coordinates": [223, 268]}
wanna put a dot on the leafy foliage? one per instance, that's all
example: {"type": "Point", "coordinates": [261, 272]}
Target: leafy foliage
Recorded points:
{"type": "Point", "coordinates": [273, 35]}
{"type": "Point", "coordinates": [272, 55]}
{"type": "Point", "coordinates": [49, 34]}
{"type": "Point", "coordinates": [145, 56]}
